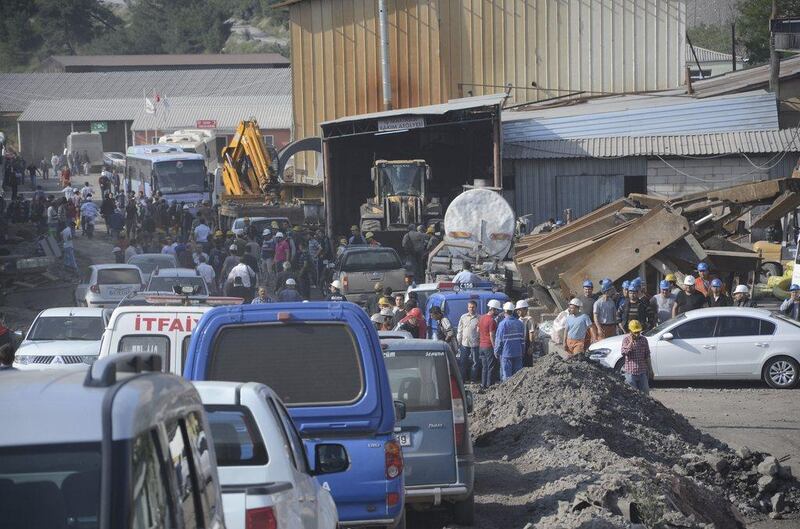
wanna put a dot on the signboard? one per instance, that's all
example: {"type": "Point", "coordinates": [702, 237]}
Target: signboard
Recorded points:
{"type": "Point", "coordinates": [99, 126]}
{"type": "Point", "coordinates": [206, 124]}
{"type": "Point", "coordinates": [401, 123]}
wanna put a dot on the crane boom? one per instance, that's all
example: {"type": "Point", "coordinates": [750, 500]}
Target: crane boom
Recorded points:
{"type": "Point", "coordinates": [247, 163]}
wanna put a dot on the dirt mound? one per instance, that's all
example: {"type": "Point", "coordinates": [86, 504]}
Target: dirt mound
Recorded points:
{"type": "Point", "coordinates": [574, 441]}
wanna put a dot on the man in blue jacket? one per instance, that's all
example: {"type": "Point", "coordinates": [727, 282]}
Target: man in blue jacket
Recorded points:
{"type": "Point", "coordinates": [509, 343]}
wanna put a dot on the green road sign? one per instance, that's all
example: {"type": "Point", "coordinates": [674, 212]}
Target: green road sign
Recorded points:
{"type": "Point", "coordinates": [99, 126]}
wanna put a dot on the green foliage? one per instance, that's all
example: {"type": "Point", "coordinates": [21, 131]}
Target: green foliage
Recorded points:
{"type": "Point", "coordinates": [713, 37]}
{"type": "Point", "coordinates": [752, 25]}
{"type": "Point", "coordinates": [67, 25]}
{"type": "Point", "coordinates": [18, 40]}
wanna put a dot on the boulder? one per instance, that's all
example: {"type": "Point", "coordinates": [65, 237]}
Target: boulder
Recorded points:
{"type": "Point", "coordinates": [778, 502]}
{"type": "Point", "coordinates": [766, 483]}
{"type": "Point", "coordinates": [717, 463]}
{"type": "Point", "coordinates": [768, 467]}
{"type": "Point", "coordinates": [744, 452]}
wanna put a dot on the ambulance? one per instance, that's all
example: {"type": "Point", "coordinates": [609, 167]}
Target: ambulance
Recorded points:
{"type": "Point", "coordinates": [164, 328]}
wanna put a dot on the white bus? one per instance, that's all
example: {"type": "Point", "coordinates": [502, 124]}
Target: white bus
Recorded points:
{"type": "Point", "coordinates": [195, 140]}
{"type": "Point", "coordinates": [178, 175]}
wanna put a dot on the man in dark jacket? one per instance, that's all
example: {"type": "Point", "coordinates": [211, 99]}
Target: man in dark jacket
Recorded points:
{"type": "Point", "coordinates": [634, 308]}
{"type": "Point", "coordinates": [289, 292]}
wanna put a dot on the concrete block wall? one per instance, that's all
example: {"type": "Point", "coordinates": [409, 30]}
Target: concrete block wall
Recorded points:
{"type": "Point", "coordinates": [679, 176]}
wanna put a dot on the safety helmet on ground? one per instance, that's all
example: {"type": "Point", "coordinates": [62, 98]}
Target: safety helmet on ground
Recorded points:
{"type": "Point", "coordinates": [266, 232]}
{"type": "Point", "coordinates": [716, 283]}
{"type": "Point", "coordinates": [664, 285]}
{"type": "Point", "coordinates": [741, 289]}
{"type": "Point", "coordinates": [521, 304]}
{"type": "Point", "coordinates": [702, 267]}
{"type": "Point", "coordinates": [588, 284]}
{"type": "Point", "coordinates": [671, 277]}
{"type": "Point", "coordinates": [336, 284]}
{"type": "Point", "coordinates": [576, 302]}
{"type": "Point", "coordinates": [635, 326]}
{"type": "Point", "coordinates": [688, 281]}
{"type": "Point", "coordinates": [794, 288]}
{"type": "Point", "coordinates": [290, 282]}
{"type": "Point", "coordinates": [384, 301]}
{"type": "Point", "coordinates": [508, 306]}
{"type": "Point", "coordinates": [494, 304]}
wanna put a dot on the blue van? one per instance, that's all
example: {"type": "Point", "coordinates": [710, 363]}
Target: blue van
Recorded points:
{"type": "Point", "coordinates": [454, 304]}
{"type": "Point", "coordinates": [325, 362]}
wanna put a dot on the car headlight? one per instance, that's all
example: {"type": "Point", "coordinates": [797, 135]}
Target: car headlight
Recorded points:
{"type": "Point", "coordinates": [89, 359]}
{"type": "Point", "coordinates": [597, 355]}
{"type": "Point", "coordinates": [23, 360]}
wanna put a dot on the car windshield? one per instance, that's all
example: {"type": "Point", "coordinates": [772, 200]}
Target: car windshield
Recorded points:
{"type": "Point", "coordinates": [118, 276]}
{"type": "Point", "coordinates": [148, 263]}
{"type": "Point", "coordinates": [66, 328]}
{"type": "Point", "coordinates": [661, 326]}
{"type": "Point", "coordinates": [419, 378]}
{"type": "Point", "coordinates": [165, 284]}
{"type": "Point", "coordinates": [181, 176]}
{"type": "Point", "coordinates": [367, 261]}
{"type": "Point", "coordinates": [53, 485]}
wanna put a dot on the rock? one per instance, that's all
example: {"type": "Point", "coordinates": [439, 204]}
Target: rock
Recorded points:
{"type": "Point", "coordinates": [718, 463]}
{"type": "Point", "coordinates": [766, 483]}
{"type": "Point", "coordinates": [785, 472]}
{"type": "Point", "coordinates": [778, 502]}
{"type": "Point", "coordinates": [744, 452]}
{"type": "Point", "coordinates": [775, 515]}
{"type": "Point", "coordinates": [679, 470]}
{"type": "Point", "coordinates": [505, 457]}
{"type": "Point", "coordinates": [768, 467]}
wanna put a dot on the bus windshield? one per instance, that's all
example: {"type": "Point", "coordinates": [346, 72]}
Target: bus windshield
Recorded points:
{"type": "Point", "coordinates": [181, 176]}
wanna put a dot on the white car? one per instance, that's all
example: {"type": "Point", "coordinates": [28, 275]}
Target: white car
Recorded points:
{"type": "Point", "coordinates": [149, 262]}
{"type": "Point", "coordinates": [724, 343]}
{"type": "Point", "coordinates": [105, 285]}
{"type": "Point", "coordinates": [64, 338]}
{"type": "Point", "coordinates": [262, 462]}
{"type": "Point", "coordinates": [164, 281]}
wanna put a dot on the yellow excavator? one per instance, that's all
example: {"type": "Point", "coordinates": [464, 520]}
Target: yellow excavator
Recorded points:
{"type": "Point", "coordinates": [250, 180]}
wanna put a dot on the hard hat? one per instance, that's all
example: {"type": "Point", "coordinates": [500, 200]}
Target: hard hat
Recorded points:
{"type": "Point", "coordinates": [186, 206]}
{"type": "Point", "coordinates": [247, 220]}
{"type": "Point", "coordinates": [636, 282]}
{"type": "Point", "coordinates": [794, 288]}
{"type": "Point", "coordinates": [274, 224]}
{"type": "Point", "coordinates": [369, 235]}
{"type": "Point", "coordinates": [716, 283]}
{"type": "Point", "coordinates": [664, 285]}
{"type": "Point", "coordinates": [741, 289]}
{"type": "Point", "coordinates": [576, 302]}
{"type": "Point", "coordinates": [635, 326]}
{"type": "Point", "coordinates": [430, 230]}
{"type": "Point", "coordinates": [343, 241]}
{"type": "Point", "coordinates": [606, 285]}
{"type": "Point", "coordinates": [522, 304]}
{"type": "Point", "coordinates": [384, 301]}
{"type": "Point", "coordinates": [378, 286]}
{"type": "Point", "coordinates": [290, 282]}
{"type": "Point", "coordinates": [279, 235]}
{"type": "Point", "coordinates": [688, 281]}
{"type": "Point", "coordinates": [116, 249]}
{"type": "Point", "coordinates": [218, 233]}
{"type": "Point", "coordinates": [296, 228]}
{"type": "Point", "coordinates": [494, 304]}
{"type": "Point", "coordinates": [702, 267]}
{"type": "Point", "coordinates": [232, 247]}
{"type": "Point", "coordinates": [508, 306]}
{"type": "Point", "coordinates": [377, 318]}
{"type": "Point", "coordinates": [671, 277]}
{"type": "Point", "coordinates": [336, 284]}
{"type": "Point", "coordinates": [266, 232]}
{"type": "Point", "coordinates": [588, 283]}
{"type": "Point", "coordinates": [229, 232]}
{"type": "Point", "coordinates": [387, 312]}
{"type": "Point", "coordinates": [625, 284]}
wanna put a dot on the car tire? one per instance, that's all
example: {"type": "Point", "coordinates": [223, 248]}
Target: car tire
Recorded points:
{"type": "Point", "coordinates": [618, 367]}
{"type": "Point", "coordinates": [770, 269]}
{"type": "Point", "coordinates": [464, 511]}
{"type": "Point", "coordinates": [781, 372]}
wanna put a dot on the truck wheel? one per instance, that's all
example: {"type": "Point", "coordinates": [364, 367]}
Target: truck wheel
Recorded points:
{"type": "Point", "coordinates": [769, 270]}
{"type": "Point", "coordinates": [464, 511]}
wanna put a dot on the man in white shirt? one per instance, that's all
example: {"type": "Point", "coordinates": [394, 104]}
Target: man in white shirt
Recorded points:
{"type": "Point", "coordinates": [206, 271]}
{"type": "Point", "coordinates": [86, 190]}
{"type": "Point", "coordinates": [467, 338]}
{"type": "Point", "coordinates": [69, 248]}
{"type": "Point", "coordinates": [130, 250]}
{"type": "Point", "coordinates": [201, 233]}
{"type": "Point", "coordinates": [465, 277]}
{"type": "Point", "coordinates": [168, 247]}
{"type": "Point", "coordinates": [68, 192]}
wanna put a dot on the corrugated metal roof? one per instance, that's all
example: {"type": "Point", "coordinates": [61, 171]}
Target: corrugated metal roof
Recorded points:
{"type": "Point", "coordinates": [82, 109]}
{"type": "Point", "coordinates": [706, 55]}
{"type": "Point", "coordinates": [17, 90]}
{"type": "Point", "coordinates": [209, 59]}
{"type": "Point", "coordinates": [644, 115]}
{"type": "Point", "coordinates": [443, 108]}
{"type": "Point", "coordinates": [743, 80]}
{"type": "Point", "coordinates": [750, 142]}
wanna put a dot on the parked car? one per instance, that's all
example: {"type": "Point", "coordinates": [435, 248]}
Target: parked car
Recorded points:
{"type": "Point", "coordinates": [104, 285]}
{"type": "Point", "coordinates": [724, 343]}
{"type": "Point", "coordinates": [453, 302]}
{"type": "Point", "coordinates": [358, 268]}
{"type": "Point", "coordinates": [147, 262]}
{"type": "Point", "coordinates": [65, 338]}
{"type": "Point", "coordinates": [260, 224]}
{"type": "Point", "coordinates": [437, 449]}
{"type": "Point", "coordinates": [123, 447]}
{"type": "Point", "coordinates": [164, 280]}
{"type": "Point", "coordinates": [262, 463]}
{"type": "Point", "coordinates": [114, 160]}
{"type": "Point", "coordinates": [325, 364]}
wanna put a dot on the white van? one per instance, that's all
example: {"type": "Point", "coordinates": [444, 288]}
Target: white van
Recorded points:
{"type": "Point", "coordinates": [165, 330]}
{"type": "Point", "coordinates": [89, 142]}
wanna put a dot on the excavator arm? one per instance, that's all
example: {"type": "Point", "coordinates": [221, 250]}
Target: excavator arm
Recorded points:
{"type": "Point", "coordinates": [247, 163]}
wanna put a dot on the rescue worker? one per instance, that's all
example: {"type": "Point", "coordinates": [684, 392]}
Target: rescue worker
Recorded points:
{"type": "Point", "coordinates": [267, 255]}
{"type": "Point", "coordinates": [636, 352]}
{"type": "Point", "coordinates": [377, 321]}
{"type": "Point", "coordinates": [466, 278]}
{"type": "Point", "coordinates": [588, 298]}
{"type": "Point", "coordinates": [689, 298]}
{"type": "Point", "coordinates": [487, 326]}
{"type": "Point", "coordinates": [281, 278]}
{"type": "Point", "coordinates": [741, 297]}
{"type": "Point", "coordinates": [576, 329]}
{"type": "Point", "coordinates": [444, 329]}
{"type": "Point", "coordinates": [385, 304]}
{"type": "Point", "coordinates": [282, 250]}
{"type": "Point", "coordinates": [467, 339]}
{"type": "Point", "coordinates": [673, 283]}
{"type": "Point", "coordinates": [370, 238]}
{"type": "Point", "coordinates": [414, 245]}
{"type": "Point", "coordinates": [633, 308]}
{"type": "Point", "coordinates": [604, 311]}
{"type": "Point", "coordinates": [532, 344]}
{"type": "Point", "coordinates": [791, 307]}
{"type": "Point", "coordinates": [289, 292]}
{"type": "Point", "coordinates": [336, 292]}
{"type": "Point", "coordinates": [703, 282]}
{"type": "Point", "coordinates": [622, 297]}
{"type": "Point", "coordinates": [237, 289]}
{"type": "Point", "coordinates": [717, 298]}
{"type": "Point", "coordinates": [662, 303]}
{"type": "Point", "coordinates": [388, 320]}
{"type": "Point", "coordinates": [414, 323]}
{"type": "Point", "coordinates": [509, 343]}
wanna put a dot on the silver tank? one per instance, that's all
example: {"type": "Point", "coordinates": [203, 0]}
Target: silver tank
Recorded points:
{"type": "Point", "coordinates": [479, 223]}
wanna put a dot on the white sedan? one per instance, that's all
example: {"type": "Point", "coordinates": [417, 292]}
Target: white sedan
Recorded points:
{"type": "Point", "coordinates": [725, 343]}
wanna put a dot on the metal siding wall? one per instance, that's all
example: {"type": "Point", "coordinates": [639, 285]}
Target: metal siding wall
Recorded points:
{"type": "Point", "coordinates": [545, 187]}
{"type": "Point", "coordinates": [784, 167]}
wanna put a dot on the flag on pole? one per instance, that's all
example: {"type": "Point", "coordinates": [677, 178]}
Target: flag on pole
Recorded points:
{"type": "Point", "coordinates": [149, 107]}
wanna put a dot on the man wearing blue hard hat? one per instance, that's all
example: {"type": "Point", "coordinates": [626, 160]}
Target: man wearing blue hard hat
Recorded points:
{"type": "Point", "coordinates": [633, 308]}
{"type": "Point", "coordinates": [588, 298]}
{"type": "Point", "coordinates": [661, 304]}
{"type": "Point", "coordinates": [604, 313]}
{"type": "Point", "coordinates": [791, 307]}
{"type": "Point", "coordinates": [703, 281]}
{"type": "Point", "coordinates": [717, 298]}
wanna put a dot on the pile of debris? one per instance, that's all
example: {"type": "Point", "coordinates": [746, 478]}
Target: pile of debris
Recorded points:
{"type": "Point", "coordinates": [28, 261]}
{"type": "Point", "coordinates": [572, 442]}
{"type": "Point", "coordinates": [669, 236]}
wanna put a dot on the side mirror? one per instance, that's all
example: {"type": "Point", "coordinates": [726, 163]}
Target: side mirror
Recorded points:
{"type": "Point", "coordinates": [667, 336]}
{"type": "Point", "coordinates": [470, 401]}
{"type": "Point", "coordinates": [399, 410]}
{"type": "Point", "coordinates": [330, 458]}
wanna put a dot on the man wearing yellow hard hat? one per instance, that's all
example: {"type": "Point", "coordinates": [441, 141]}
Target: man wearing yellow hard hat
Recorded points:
{"type": "Point", "coordinates": [636, 352]}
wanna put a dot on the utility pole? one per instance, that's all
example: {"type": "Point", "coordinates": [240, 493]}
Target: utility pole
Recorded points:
{"type": "Point", "coordinates": [733, 45]}
{"type": "Point", "coordinates": [386, 81]}
{"type": "Point", "coordinates": [774, 60]}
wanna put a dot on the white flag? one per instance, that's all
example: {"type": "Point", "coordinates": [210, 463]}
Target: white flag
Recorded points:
{"type": "Point", "coordinates": [149, 107]}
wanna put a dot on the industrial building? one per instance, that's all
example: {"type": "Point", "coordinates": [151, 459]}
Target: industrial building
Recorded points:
{"type": "Point", "coordinates": [162, 62]}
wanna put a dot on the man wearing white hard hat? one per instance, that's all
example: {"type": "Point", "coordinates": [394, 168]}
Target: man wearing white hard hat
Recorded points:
{"type": "Point", "coordinates": [290, 293]}
{"type": "Point", "coordinates": [532, 351]}
{"type": "Point", "coordinates": [689, 298]}
{"type": "Point", "coordinates": [336, 292]}
{"type": "Point", "coordinates": [267, 255]}
{"type": "Point", "coordinates": [487, 326]}
{"type": "Point", "coordinates": [741, 297]}
{"type": "Point", "coordinates": [576, 330]}
{"type": "Point", "coordinates": [509, 343]}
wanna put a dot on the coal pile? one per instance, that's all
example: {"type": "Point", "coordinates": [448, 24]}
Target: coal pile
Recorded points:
{"type": "Point", "coordinates": [568, 442]}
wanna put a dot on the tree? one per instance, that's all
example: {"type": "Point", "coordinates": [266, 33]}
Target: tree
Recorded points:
{"type": "Point", "coordinates": [752, 25]}
{"type": "Point", "coordinates": [66, 25]}
{"type": "Point", "coordinates": [18, 39]}
{"type": "Point", "coordinates": [712, 37]}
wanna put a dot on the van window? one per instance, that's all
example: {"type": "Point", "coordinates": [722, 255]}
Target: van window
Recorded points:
{"type": "Point", "coordinates": [304, 363]}
{"type": "Point", "coordinates": [198, 438]}
{"type": "Point", "coordinates": [421, 379]}
{"type": "Point", "coordinates": [151, 506]}
{"type": "Point", "coordinates": [370, 260]}
{"type": "Point", "coordinates": [185, 349]}
{"type": "Point", "coordinates": [118, 276]}
{"type": "Point", "coordinates": [146, 343]}
{"type": "Point", "coordinates": [184, 475]}
{"type": "Point", "coordinates": [237, 440]}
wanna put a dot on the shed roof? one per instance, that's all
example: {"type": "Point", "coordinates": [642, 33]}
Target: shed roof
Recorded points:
{"type": "Point", "coordinates": [706, 55]}
{"type": "Point", "coordinates": [749, 142]}
{"type": "Point", "coordinates": [744, 80]}
{"type": "Point", "coordinates": [18, 90]}
{"type": "Point", "coordinates": [193, 59]}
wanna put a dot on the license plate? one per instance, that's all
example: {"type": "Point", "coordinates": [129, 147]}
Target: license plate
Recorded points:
{"type": "Point", "coordinates": [404, 438]}
{"type": "Point", "coordinates": [119, 291]}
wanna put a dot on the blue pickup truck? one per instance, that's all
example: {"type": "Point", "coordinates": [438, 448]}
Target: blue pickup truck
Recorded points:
{"type": "Point", "coordinates": [324, 360]}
